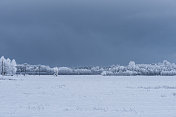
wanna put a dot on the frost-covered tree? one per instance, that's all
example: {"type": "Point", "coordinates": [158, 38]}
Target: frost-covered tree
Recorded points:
{"type": "Point", "coordinates": [7, 67]}
{"type": "Point", "coordinates": [56, 71]}
{"type": "Point", "coordinates": [164, 68]}
{"type": "Point", "coordinates": [65, 71]}
{"type": "Point", "coordinates": [82, 71]}
{"type": "Point", "coordinates": [13, 64]}
{"type": "Point", "coordinates": [2, 61]}
{"type": "Point", "coordinates": [79, 71]}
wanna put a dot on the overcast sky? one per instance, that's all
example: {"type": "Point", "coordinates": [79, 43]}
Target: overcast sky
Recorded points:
{"type": "Point", "coordinates": [88, 32]}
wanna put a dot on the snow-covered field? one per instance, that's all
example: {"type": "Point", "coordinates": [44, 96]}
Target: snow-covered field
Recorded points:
{"type": "Point", "coordinates": [88, 96]}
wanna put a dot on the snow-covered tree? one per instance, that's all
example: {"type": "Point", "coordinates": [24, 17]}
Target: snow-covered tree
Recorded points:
{"type": "Point", "coordinates": [65, 71]}
{"type": "Point", "coordinates": [7, 67]}
{"type": "Point", "coordinates": [56, 71]}
{"type": "Point", "coordinates": [164, 68]}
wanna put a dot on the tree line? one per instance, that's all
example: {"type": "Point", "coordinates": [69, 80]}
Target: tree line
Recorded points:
{"type": "Point", "coordinates": [165, 68]}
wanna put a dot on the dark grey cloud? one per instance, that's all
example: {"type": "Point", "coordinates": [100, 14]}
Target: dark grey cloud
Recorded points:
{"type": "Point", "coordinates": [88, 32]}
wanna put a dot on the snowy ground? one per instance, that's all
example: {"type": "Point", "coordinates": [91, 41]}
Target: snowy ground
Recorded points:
{"type": "Point", "coordinates": [88, 96]}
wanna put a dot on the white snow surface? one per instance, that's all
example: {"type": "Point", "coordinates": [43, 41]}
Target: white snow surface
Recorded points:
{"type": "Point", "coordinates": [88, 96]}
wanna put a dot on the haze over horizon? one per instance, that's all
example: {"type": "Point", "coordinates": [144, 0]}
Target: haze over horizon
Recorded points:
{"type": "Point", "coordinates": [88, 32]}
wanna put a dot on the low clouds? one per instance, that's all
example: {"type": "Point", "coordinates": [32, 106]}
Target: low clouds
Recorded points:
{"type": "Point", "coordinates": [82, 32]}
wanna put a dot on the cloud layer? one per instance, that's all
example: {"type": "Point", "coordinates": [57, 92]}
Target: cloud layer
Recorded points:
{"type": "Point", "coordinates": [88, 32]}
